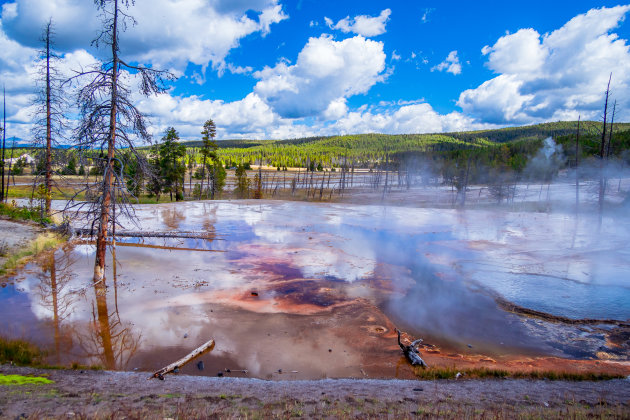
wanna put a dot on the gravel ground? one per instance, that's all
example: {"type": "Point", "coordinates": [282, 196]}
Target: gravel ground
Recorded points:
{"type": "Point", "coordinates": [132, 395]}
{"type": "Point", "coordinates": [14, 235]}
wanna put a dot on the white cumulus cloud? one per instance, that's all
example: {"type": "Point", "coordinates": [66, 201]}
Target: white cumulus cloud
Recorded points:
{"type": "Point", "coordinates": [168, 34]}
{"type": "Point", "coordinates": [451, 64]}
{"type": "Point", "coordinates": [326, 71]}
{"type": "Point", "coordinates": [558, 75]}
{"type": "Point", "coordinates": [362, 25]}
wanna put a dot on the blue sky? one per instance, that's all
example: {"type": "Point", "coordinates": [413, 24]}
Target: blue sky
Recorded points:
{"type": "Point", "coordinates": [283, 69]}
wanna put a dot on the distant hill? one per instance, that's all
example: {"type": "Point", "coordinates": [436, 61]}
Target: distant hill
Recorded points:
{"type": "Point", "coordinates": [399, 142]}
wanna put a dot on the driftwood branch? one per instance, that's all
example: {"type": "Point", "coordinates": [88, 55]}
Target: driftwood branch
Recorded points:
{"type": "Point", "coordinates": [208, 346]}
{"type": "Point", "coordinates": [411, 352]}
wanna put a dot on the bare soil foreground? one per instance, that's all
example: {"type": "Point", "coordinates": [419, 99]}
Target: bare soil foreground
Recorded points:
{"type": "Point", "coordinates": [14, 235]}
{"type": "Point", "coordinates": [104, 394]}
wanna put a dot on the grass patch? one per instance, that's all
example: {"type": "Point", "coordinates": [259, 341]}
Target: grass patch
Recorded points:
{"type": "Point", "coordinates": [43, 242]}
{"type": "Point", "coordinates": [486, 373]}
{"type": "Point", "coordinates": [15, 212]}
{"type": "Point", "coordinates": [20, 352]}
{"type": "Point", "coordinates": [23, 380]}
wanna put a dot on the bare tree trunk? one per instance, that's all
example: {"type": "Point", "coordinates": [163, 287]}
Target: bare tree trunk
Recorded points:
{"type": "Point", "coordinates": [101, 239]}
{"type": "Point", "coordinates": [9, 175]}
{"type": "Point", "coordinates": [48, 179]}
{"type": "Point", "coordinates": [610, 137]}
{"type": "Point", "coordinates": [602, 148]}
{"type": "Point", "coordinates": [602, 151]}
{"type": "Point", "coordinates": [4, 137]}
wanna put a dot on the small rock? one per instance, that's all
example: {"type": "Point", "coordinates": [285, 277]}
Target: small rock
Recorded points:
{"type": "Point", "coordinates": [186, 335]}
{"type": "Point", "coordinates": [280, 371]}
{"type": "Point", "coordinates": [469, 346]}
{"type": "Point", "coordinates": [329, 350]}
{"type": "Point", "coordinates": [546, 404]}
{"type": "Point", "coordinates": [228, 370]}
{"type": "Point", "coordinates": [200, 365]}
{"type": "Point", "coordinates": [176, 370]}
{"type": "Point", "coordinates": [220, 374]}
{"type": "Point", "coordinates": [418, 389]}
{"type": "Point", "coordinates": [254, 293]}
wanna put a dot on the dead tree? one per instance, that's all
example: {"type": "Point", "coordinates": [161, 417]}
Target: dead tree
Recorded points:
{"type": "Point", "coordinates": [602, 154]}
{"type": "Point", "coordinates": [4, 137]}
{"type": "Point", "coordinates": [50, 104]}
{"type": "Point", "coordinates": [602, 148]}
{"type": "Point", "coordinates": [411, 352]}
{"type": "Point", "coordinates": [110, 121]}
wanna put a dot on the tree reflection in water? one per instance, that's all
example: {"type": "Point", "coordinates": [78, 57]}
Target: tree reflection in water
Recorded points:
{"type": "Point", "coordinates": [105, 340]}
{"type": "Point", "coordinates": [56, 296]}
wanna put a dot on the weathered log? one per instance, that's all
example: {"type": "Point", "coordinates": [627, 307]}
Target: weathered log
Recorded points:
{"type": "Point", "coordinates": [208, 346]}
{"type": "Point", "coordinates": [146, 234]}
{"type": "Point", "coordinates": [411, 352]}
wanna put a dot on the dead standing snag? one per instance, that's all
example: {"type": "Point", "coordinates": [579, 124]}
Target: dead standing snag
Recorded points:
{"type": "Point", "coordinates": [411, 352]}
{"type": "Point", "coordinates": [110, 121]}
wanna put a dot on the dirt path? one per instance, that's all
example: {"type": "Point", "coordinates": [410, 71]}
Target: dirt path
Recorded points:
{"type": "Point", "coordinates": [130, 394]}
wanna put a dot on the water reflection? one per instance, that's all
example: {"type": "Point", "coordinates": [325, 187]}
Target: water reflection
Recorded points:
{"type": "Point", "coordinates": [53, 292]}
{"type": "Point", "coordinates": [104, 339]}
{"type": "Point", "coordinates": [109, 340]}
{"type": "Point", "coordinates": [317, 289]}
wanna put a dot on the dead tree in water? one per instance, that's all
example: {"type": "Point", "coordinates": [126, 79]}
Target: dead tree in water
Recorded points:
{"type": "Point", "coordinates": [109, 120]}
{"type": "Point", "coordinates": [411, 352]}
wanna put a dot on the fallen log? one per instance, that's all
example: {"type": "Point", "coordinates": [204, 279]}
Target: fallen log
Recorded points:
{"type": "Point", "coordinates": [147, 234]}
{"type": "Point", "coordinates": [208, 346]}
{"type": "Point", "coordinates": [411, 352]}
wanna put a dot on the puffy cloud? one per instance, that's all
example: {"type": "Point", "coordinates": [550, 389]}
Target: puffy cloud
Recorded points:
{"type": "Point", "coordinates": [326, 71]}
{"type": "Point", "coordinates": [251, 117]}
{"type": "Point", "coordinates": [450, 64]}
{"type": "Point", "coordinates": [248, 117]}
{"type": "Point", "coordinates": [407, 119]}
{"type": "Point", "coordinates": [362, 24]}
{"type": "Point", "coordinates": [530, 57]}
{"type": "Point", "coordinates": [212, 27]}
{"type": "Point", "coordinates": [554, 76]}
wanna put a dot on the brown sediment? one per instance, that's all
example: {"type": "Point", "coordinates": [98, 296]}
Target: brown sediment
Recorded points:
{"type": "Point", "coordinates": [443, 358]}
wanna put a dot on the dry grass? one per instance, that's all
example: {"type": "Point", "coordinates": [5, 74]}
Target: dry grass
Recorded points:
{"type": "Point", "coordinates": [43, 242]}
{"type": "Point", "coordinates": [486, 373]}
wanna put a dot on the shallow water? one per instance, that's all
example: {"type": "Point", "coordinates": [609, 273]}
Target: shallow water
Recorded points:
{"type": "Point", "coordinates": [303, 290]}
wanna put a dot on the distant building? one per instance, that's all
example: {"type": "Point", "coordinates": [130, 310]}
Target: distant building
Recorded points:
{"type": "Point", "coordinates": [27, 159]}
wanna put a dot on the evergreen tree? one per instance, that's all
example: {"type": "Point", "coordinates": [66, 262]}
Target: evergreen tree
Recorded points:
{"type": "Point", "coordinates": [208, 152]}
{"type": "Point", "coordinates": [171, 164]}
{"type": "Point", "coordinates": [242, 183]}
